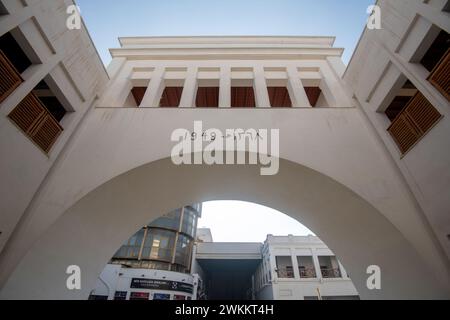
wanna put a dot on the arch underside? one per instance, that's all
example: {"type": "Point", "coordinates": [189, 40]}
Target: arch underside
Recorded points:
{"type": "Point", "coordinates": [89, 233]}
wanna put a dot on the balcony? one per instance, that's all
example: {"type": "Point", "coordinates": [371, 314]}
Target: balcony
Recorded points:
{"type": "Point", "coordinates": [331, 273]}
{"type": "Point", "coordinates": [307, 273]}
{"type": "Point", "coordinates": [36, 122]}
{"type": "Point", "coordinates": [440, 76]}
{"type": "Point", "coordinates": [413, 122]}
{"type": "Point", "coordinates": [285, 273]}
{"type": "Point", "coordinates": [10, 78]}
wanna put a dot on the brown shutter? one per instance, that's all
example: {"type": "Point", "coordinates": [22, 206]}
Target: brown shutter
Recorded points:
{"type": "Point", "coordinates": [10, 78]}
{"type": "Point", "coordinates": [440, 76]}
{"type": "Point", "coordinates": [418, 117]}
{"type": "Point", "coordinates": [37, 123]}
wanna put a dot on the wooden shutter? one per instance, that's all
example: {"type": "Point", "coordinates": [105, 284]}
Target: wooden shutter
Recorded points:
{"type": "Point", "coordinates": [10, 78]}
{"type": "Point", "coordinates": [37, 123]}
{"type": "Point", "coordinates": [440, 76]}
{"type": "Point", "coordinates": [418, 117]}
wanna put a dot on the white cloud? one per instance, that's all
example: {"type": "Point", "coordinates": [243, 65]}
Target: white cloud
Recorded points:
{"type": "Point", "coordinates": [235, 221]}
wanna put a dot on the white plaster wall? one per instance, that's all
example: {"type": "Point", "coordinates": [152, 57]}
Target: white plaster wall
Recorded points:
{"type": "Point", "coordinates": [332, 141]}
{"type": "Point", "coordinates": [90, 232]}
{"type": "Point", "coordinates": [337, 142]}
{"type": "Point", "coordinates": [72, 62]}
{"type": "Point", "coordinates": [382, 62]}
{"type": "Point", "coordinates": [285, 290]}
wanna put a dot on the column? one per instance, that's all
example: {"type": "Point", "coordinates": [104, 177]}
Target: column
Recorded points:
{"type": "Point", "coordinates": [296, 89]}
{"type": "Point", "coordinates": [295, 265]}
{"type": "Point", "coordinates": [260, 85]}
{"type": "Point", "coordinates": [343, 271]}
{"type": "Point", "coordinates": [273, 266]}
{"type": "Point", "coordinates": [225, 87]}
{"type": "Point", "coordinates": [190, 89]}
{"type": "Point", "coordinates": [115, 66]}
{"type": "Point", "coordinates": [316, 264]}
{"type": "Point", "coordinates": [119, 85]}
{"type": "Point", "coordinates": [154, 90]}
{"type": "Point", "coordinates": [333, 89]}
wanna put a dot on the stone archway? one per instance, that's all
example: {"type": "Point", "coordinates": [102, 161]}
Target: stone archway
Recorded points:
{"type": "Point", "coordinates": [90, 231]}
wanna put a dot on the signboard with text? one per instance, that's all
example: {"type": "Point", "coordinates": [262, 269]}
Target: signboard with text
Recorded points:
{"type": "Point", "coordinates": [151, 284]}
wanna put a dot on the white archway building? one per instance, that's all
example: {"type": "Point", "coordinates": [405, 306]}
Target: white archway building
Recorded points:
{"type": "Point", "coordinates": [110, 171]}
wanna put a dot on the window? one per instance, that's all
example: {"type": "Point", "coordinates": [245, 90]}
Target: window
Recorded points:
{"type": "Point", "coordinates": [207, 97]}
{"type": "Point", "coordinates": [189, 225]}
{"type": "Point", "coordinates": [49, 100]}
{"type": "Point", "coordinates": [183, 251]}
{"type": "Point", "coordinates": [411, 116]}
{"type": "Point", "coordinates": [313, 94]}
{"type": "Point", "coordinates": [242, 88]}
{"type": "Point", "coordinates": [131, 249]}
{"type": "Point", "coordinates": [38, 115]}
{"type": "Point", "coordinates": [208, 88]}
{"type": "Point", "coordinates": [243, 97]}
{"type": "Point", "coordinates": [171, 97]}
{"type": "Point", "coordinates": [13, 62]}
{"type": "Point", "coordinates": [306, 267]}
{"type": "Point", "coordinates": [315, 87]}
{"type": "Point", "coordinates": [437, 51]}
{"type": "Point", "coordinates": [138, 94]}
{"type": "Point", "coordinates": [170, 221]}
{"type": "Point", "coordinates": [329, 267]}
{"type": "Point", "coordinates": [14, 52]}
{"type": "Point", "coordinates": [284, 267]}
{"type": "Point", "coordinates": [158, 245]}
{"type": "Point", "coordinates": [437, 61]}
{"type": "Point", "coordinates": [279, 97]}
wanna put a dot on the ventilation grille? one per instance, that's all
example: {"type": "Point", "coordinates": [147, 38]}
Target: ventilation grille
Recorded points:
{"type": "Point", "coordinates": [440, 76]}
{"type": "Point", "coordinates": [37, 123]}
{"type": "Point", "coordinates": [10, 78]}
{"type": "Point", "coordinates": [418, 117]}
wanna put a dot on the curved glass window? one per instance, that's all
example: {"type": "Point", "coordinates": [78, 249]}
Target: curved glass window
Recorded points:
{"type": "Point", "coordinates": [189, 225]}
{"type": "Point", "coordinates": [170, 221]}
{"type": "Point", "coordinates": [158, 245]}
{"type": "Point", "coordinates": [184, 249]}
{"type": "Point", "coordinates": [131, 248]}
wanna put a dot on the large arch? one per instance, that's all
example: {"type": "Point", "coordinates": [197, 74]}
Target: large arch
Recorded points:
{"type": "Point", "coordinates": [90, 231]}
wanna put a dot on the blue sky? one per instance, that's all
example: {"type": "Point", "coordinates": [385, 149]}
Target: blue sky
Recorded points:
{"type": "Point", "coordinates": [107, 20]}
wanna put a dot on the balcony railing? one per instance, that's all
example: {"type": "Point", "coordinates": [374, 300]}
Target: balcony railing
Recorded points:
{"type": "Point", "coordinates": [285, 273]}
{"type": "Point", "coordinates": [36, 122]}
{"type": "Point", "coordinates": [416, 119]}
{"type": "Point", "coordinates": [331, 273]}
{"type": "Point", "coordinates": [10, 78]}
{"type": "Point", "coordinates": [307, 273]}
{"type": "Point", "coordinates": [440, 76]}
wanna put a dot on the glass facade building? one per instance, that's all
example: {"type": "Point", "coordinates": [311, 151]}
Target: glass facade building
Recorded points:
{"type": "Point", "coordinates": [164, 244]}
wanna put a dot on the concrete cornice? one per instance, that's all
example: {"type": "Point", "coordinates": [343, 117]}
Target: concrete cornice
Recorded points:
{"type": "Point", "coordinates": [243, 53]}
{"type": "Point", "coordinates": [226, 47]}
{"type": "Point", "coordinates": [227, 41]}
